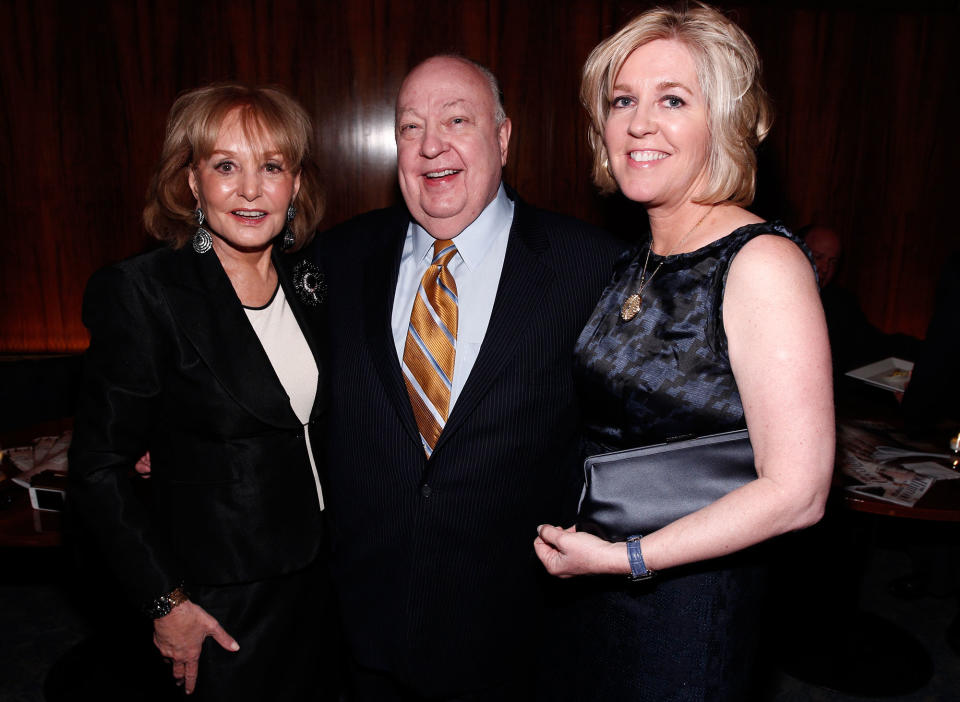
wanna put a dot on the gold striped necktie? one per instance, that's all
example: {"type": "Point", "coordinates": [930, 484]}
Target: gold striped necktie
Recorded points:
{"type": "Point", "coordinates": [431, 347]}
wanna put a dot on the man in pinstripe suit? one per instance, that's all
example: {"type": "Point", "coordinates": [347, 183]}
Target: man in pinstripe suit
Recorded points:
{"type": "Point", "coordinates": [433, 528]}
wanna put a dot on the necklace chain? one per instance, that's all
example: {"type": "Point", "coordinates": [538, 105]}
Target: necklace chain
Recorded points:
{"type": "Point", "coordinates": [633, 303]}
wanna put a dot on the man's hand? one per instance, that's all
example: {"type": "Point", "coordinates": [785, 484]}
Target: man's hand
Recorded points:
{"type": "Point", "coordinates": [179, 637]}
{"type": "Point", "coordinates": [143, 465]}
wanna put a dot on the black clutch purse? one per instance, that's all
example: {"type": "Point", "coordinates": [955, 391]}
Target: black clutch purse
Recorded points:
{"type": "Point", "coordinates": [639, 490]}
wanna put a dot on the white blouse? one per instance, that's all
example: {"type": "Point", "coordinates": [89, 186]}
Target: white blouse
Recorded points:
{"type": "Point", "coordinates": [292, 361]}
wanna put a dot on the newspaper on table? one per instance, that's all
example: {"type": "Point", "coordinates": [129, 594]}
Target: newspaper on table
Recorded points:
{"type": "Point", "coordinates": [889, 473]}
{"type": "Point", "coordinates": [45, 453]}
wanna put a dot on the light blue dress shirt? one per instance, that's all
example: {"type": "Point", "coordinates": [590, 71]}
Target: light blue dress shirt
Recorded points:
{"type": "Point", "coordinates": [476, 268]}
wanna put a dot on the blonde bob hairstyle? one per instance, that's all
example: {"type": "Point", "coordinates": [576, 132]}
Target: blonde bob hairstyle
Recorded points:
{"type": "Point", "coordinates": [267, 116]}
{"type": "Point", "coordinates": [739, 114]}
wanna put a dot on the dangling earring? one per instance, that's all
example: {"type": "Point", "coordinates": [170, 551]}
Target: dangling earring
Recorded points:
{"type": "Point", "coordinates": [288, 237]}
{"type": "Point", "coordinates": [202, 241]}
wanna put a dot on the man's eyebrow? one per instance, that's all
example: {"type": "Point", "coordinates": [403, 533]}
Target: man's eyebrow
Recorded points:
{"type": "Point", "coordinates": [403, 111]}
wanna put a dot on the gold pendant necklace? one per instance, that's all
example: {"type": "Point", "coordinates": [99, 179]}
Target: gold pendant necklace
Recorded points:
{"type": "Point", "coordinates": [631, 306]}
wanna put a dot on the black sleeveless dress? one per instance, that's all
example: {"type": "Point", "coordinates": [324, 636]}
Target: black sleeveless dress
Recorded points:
{"type": "Point", "coordinates": [690, 633]}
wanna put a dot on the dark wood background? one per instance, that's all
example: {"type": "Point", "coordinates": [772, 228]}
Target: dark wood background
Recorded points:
{"type": "Point", "coordinates": [866, 97]}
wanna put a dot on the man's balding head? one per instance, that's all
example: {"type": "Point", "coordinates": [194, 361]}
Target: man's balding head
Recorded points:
{"type": "Point", "coordinates": [826, 248]}
{"type": "Point", "coordinates": [452, 140]}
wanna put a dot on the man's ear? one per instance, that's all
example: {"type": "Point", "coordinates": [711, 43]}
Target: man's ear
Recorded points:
{"type": "Point", "coordinates": [503, 135]}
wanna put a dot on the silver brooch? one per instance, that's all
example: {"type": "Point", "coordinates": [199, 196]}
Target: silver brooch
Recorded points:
{"type": "Point", "coordinates": [309, 283]}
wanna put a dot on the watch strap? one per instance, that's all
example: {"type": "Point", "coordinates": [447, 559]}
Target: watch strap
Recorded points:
{"type": "Point", "coordinates": [638, 569]}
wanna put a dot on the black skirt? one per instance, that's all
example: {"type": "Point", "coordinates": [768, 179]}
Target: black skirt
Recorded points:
{"type": "Point", "coordinates": [688, 635]}
{"type": "Point", "coordinates": [288, 633]}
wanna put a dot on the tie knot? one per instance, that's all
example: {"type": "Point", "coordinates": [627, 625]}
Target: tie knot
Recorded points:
{"type": "Point", "coordinates": [443, 251]}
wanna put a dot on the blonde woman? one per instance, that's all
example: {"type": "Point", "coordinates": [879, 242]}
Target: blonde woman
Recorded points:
{"type": "Point", "coordinates": [714, 324]}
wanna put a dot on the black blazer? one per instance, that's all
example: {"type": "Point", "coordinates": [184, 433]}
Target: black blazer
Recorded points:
{"type": "Point", "coordinates": [174, 367]}
{"type": "Point", "coordinates": [434, 560]}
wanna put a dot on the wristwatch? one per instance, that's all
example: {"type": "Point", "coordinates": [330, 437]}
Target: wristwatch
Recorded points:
{"type": "Point", "coordinates": [163, 605]}
{"type": "Point", "coordinates": [638, 569]}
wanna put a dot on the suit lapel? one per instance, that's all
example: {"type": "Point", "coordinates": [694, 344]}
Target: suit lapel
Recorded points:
{"type": "Point", "coordinates": [311, 318]}
{"type": "Point", "coordinates": [380, 272]}
{"type": "Point", "coordinates": [211, 317]}
{"type": "Point", "coordinates": [523, 285]}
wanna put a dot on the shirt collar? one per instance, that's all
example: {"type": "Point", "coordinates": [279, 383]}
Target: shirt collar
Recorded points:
{"type": "Point", "coordinates": [474, 242]}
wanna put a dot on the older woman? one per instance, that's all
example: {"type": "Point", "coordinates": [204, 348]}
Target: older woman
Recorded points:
{"type": "Point", "coordinates": [207, 353]}
{"type": "Point", "coordinates": [714, 323]}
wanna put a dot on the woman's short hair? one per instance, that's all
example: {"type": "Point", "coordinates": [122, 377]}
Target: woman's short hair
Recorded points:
{"type": "Point", "coordinates": [266, 114]}
{"type": "Point", "coordinates": [739, 113]}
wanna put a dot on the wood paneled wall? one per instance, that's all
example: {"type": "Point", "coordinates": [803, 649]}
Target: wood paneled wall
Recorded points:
{"type": "Point", "coordinates": [866, 100]}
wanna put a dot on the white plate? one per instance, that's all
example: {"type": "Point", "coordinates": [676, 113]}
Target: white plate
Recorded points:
{"type": "Point", "coordinates": [889, 374]}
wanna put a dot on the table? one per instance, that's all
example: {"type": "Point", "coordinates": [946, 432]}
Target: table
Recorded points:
{"type": "Point", "coordinates": [21, 526]}
{"type": "Point", "coordinates": [940, 504]}
{"type": "Point", "coordinates": [855, 651]}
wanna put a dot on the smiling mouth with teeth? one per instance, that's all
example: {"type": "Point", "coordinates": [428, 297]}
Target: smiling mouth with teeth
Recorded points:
{"type": "Point", "coordinates": [247, 214]}
{"type": "Point", "coordinates": [645, 156]}
{"type": "Point", "coordinates": [442, 174]}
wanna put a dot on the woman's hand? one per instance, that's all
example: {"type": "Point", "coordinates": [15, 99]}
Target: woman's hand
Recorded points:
{"type": "Point", "coordinates": [567, 552]}
{"type": "Point", "coordinates": [179, 637]}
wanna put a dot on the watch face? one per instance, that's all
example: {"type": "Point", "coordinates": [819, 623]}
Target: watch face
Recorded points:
{"type": "Point", "coordinates": [160, 607]}
{"type": "Point", "coordinates": [163, 605]}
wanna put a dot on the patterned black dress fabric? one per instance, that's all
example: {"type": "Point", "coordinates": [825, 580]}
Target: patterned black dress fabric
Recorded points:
{"type": "Point", "coordinates": [690, 633]}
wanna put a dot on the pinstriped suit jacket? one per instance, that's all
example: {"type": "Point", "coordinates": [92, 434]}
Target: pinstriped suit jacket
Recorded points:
{"type": "Point", "coordinates": [434, 561]}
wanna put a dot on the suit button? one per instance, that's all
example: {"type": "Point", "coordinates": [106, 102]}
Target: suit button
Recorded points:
{"type": "Point", "coordinates": [425, 491]}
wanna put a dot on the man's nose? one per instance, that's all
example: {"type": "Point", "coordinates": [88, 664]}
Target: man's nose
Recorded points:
{"type": "Point", "coordinates": [434, 142]}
